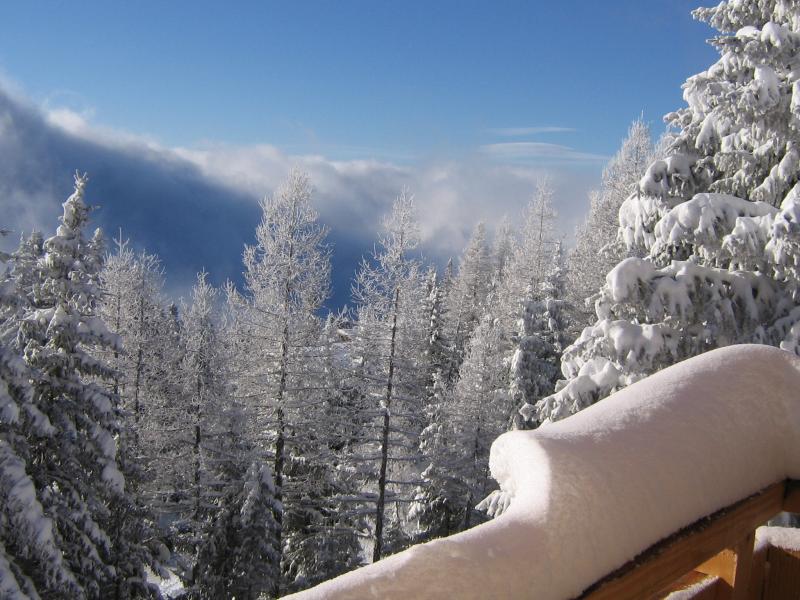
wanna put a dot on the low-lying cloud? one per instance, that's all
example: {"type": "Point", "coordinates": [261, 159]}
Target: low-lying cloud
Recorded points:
{"type": "Point", "coordinates": [196, 207]}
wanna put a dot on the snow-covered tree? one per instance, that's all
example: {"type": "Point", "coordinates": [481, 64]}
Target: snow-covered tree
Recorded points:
{"type": "Point", "coordinates": [717, 215]}
{"type": "Point", "coordinates": [390, 347]}
{"type": "Point", "coordinates": [324, 528]}
{"type": "Point", "coordinates": [133, 307]}
{"type": "Point", "coordinates": [502, 249]}
{"type": "Point", "coordinates": [438, 499]}
{"type": "Point", "coordinates": [479, 411]}
{"type": "Point", "coordinates": [72, 462]}
{"type": "Point", "coordinates": [223, 488]}
{"type": "Point", "coordinates": [146, 369]}
{"type": "Point", "coordinates": [530, 258]}
{"type": "Point", "coordinates": [280, 361]}
{"type": "Point", "coordinates": [31, 562]}
{"type": "Point", "coordinates": [435, 507]}
{"type": "Point", "coordinates": [541, 338]}
{"type": "Point", "coordinates": [239, 557]}
{"type": "Point", "coordinates": [597, 247]}
{"type": "Point", "coordinates": [467, 298]}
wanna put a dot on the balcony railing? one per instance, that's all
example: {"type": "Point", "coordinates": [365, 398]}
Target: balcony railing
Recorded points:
{"type": "Point", "coordinates": [657, 488]}
{"type": "Point", "coordinates": [721, 546]}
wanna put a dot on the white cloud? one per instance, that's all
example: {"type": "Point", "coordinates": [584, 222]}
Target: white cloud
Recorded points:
{"type": "Point", "coordinates": [523, 131]}
{"type": "Point", "coordinates": [148, 182]}
{"type": "Point", "coordinates": [80, 124]}
{"type": "Point", "coordinates": [542, 151]}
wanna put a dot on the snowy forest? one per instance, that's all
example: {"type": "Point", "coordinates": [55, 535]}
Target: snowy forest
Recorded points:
{"type": "Point", "coordinates": [248, 443]}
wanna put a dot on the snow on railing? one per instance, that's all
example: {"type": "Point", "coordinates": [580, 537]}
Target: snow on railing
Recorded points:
{"type": "Point", "coordinates": [594, 491]}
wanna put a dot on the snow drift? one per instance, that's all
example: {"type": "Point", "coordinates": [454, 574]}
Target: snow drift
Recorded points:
{"type": "Point", "coordinates": [592, 491]}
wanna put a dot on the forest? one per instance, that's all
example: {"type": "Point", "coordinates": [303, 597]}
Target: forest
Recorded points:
{"type": "Point", "coordinates": [248, 443]}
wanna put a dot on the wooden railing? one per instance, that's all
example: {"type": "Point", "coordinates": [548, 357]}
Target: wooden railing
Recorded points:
{"type": "Point", "coordinates": [591, 491]}
{"type": "Point", "coordinates": [719, 546]}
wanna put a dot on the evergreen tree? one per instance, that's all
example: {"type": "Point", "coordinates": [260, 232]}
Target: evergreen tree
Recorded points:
{"type": "Point", "coordinates": [529, 262]}
{"type": "Point", "coordinates": [209, 435]}
{"type": "Point", "coordinates": [239, 558]}
{"type": "Point", "coordinates": [74, 467]}
{"type": "Point", "coordinates": [390, 348]}
{"type": "Point", "coordinates": [480, 410]}
{"type": "Point", "coordinates": [467, 299]}
{"type": "Point", "coordinates": [717, 216]}
{"type": "Point", "coordinates": [31, 562]}
{"type": "Point", "coordinates": [433, 507]}
{"type": "Point", "coordinates": [497, 374]}
{"type": "Point", "coordinates": [541, 340]}
{"type": "Point", "coordinates": [597, 248]}
{"type": "Point", "coordinates": [281, 365]}
{"type": "Point", "coordinates": [437, 506]}
{"type": "Point", "coordinates": [502, 249]}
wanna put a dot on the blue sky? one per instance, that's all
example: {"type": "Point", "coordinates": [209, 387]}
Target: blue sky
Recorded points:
{"type": "Point", "coordinates": [466, 102]}
{"type": "Point", "coordinates": [358, 78]}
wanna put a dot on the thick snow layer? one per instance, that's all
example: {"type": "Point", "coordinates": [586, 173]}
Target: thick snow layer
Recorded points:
{"type": "Point", "coordinates": [786, 538]}
{"type": "Point", "coordinates": [590, 492]}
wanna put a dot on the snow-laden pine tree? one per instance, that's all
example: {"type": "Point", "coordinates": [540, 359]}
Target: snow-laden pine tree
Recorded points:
{"type": "Point", "coordinates": [541, 338]}
{"type": "Point", "coordinates": [134, 309]}
{"type": "Point", "coordinates": [441, 359]}
{"type": "Point", "coordinates": [437, 507]}
{"type": "Point", "coordinates": [280, 365]}
{"type": "Point", "coordinates": [146, 369]}
{"type": "Point", "coordinates": [226, 496]}
{"type": "Point", "coordinates": [718, 216]}
{"type": "Point", "coordinates": [324, 528]}
{"type": "Point", "coordinates": [502, 249]}
{"type": "Point", "coordinates": [530, 258]}
{"type": "Point", "coordinates": [73, 462]}
{"type": "Point", "coordinates": [31, 563]}
{"type": "Point", "coordinates": [597, 248]}
{"type": "Point", "coordinates": [390, 353]}
{"type": "Point", "coordinates": [482, 406]}
{"type": "Point", "coordinates": [469, 294]}
{"type": "Point", "coordinates": [239, 558]}
{"type": "Point", "coordinates": [208, 435]}
{"type": "Point", "coordinates": [434, 508]}
{"type": "Point", "coordinates": [479, 410]}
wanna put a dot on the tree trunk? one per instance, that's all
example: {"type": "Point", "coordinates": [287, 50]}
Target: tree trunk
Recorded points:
{"type": "Point", "coordinates": [280, 459]}
{"type": "Point", "coordinates": [376, 553]}
{"type": "Point", "coordinates": [280, 440]}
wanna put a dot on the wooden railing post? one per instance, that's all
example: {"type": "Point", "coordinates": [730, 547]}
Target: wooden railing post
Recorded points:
{"type": "Point", "coordinates": [744, 567]}
{"type": "Point", "coordinates": [734, 568]}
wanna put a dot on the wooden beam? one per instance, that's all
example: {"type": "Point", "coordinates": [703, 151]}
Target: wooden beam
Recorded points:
{"type": "Point", "coordinates": [660, 565]}
{"type": "Point", "coordinates": [734, 568]}
{"type": "Point", "coordinates": [744, 566]}
{"type": "Point", "coordinates": [722, 565]}
{"type": "Point", "coordinates": [783, 577]}
{"type": "Point", "coordinates": [791, 500]}
{"type": "Point", "coordinates": [758, 575]}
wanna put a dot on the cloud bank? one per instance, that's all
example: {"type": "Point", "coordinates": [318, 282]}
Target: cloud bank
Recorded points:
{"type": "Point", "coordinates": [196, 207]}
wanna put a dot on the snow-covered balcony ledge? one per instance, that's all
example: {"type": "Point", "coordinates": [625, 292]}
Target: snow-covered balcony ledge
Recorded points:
{"type": "Point", "coordinates": [591, 492]}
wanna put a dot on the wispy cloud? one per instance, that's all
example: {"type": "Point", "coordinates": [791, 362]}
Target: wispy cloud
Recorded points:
{"type": "Point", "coordinates": [539, 151]}
{"type": "Point", "coordinates": [522, 131]}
